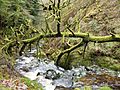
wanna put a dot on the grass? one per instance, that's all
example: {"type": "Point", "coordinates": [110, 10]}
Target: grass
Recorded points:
{"type": "Point", "coordinates": [32, 85]}
{"type": "Point", "coordinates": [4, 88]}
{"type": "Point", "coordinates": [105, 88]}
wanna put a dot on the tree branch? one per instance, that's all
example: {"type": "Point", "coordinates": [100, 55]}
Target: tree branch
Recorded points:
{"type": "Point", "coordinates": [68, 51]}
{"type": "Point", "coordinates": [58, 16]}
{"type": "Point", "coordinates": [91, 38]}
{"type": "Point", "coordinates": [85, 36]}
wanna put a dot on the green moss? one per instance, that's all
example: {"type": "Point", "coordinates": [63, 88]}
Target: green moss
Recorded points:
{"type": "Point", "coordinates": [115, 67]}
{"type": "Point", "coordinates": [87, 88]}
{"type": "Point", "coordinates": [4, 88]}
{"type": "Point", "coordinates": [66, 62]}
{"type": "Point", "coordinates": [86, 61]}
{"type": "Point", "coordinates": [105, 88]}
{"type": "Point", "coordinates": [32, 85]}
{"type": "Point", "coordinates": [103, 61]}
{"type": "Point", "coordinates": [77, 89]}
{"type": "Point", "coordinates": [94, 56]}
{"type": "Point", "coordinates": [108, 62]}
{"type": "Point", "coordinates": [116, 53]}
{"type": "Point", "coordinates": [1, 76]}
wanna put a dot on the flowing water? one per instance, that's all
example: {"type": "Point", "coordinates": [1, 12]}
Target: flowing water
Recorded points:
{"type": "Point", "coordinates": [51, 76]}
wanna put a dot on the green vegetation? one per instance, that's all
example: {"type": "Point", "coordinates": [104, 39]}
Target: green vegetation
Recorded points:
{"type": "Point", "coordinates": [87, 88]}
{"type": "Point", "coordinates": [76, 89]}
{"type": "Point", "coordinates": [75, 32]}
{"type": "Point", "coordinates": [105, 88]}
{"type": "Point", "coordinates": [4, 88]}
{"type": "Point", "coordinates": [17, 21]}
{"type": "Point", "coordinates": [90, 88]}
{"type": "Point", "coordinates": [32, 85]}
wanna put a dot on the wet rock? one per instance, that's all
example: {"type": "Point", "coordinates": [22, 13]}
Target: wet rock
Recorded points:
{"type": "Point", "coordinates": [95, 87]}
{"type": "Point", "coordinates": [25, 68]}
{"type": "Point", "coordinates": [51, 74]}
{"type": "Point", "coordinates": [65, 82]}
{"type": "Point", "coordinates": [116, 86]}
{"type": "Point", "coordinates": [78, 84]}
{"type": "Point", "coordinates": [63, 88]}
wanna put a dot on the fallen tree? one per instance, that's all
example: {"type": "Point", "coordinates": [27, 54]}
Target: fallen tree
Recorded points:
{"type": "Point", "coordinates": [86, 38]}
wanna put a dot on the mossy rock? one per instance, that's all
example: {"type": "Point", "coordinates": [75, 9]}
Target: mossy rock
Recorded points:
{"type": "Point", "coordinates": [115, 67]}
{"type": "Point", "coordinates": [84, 61]}
{"type": "Point", "coordinates": [103, 61]}
{"type": "Point", "coordinates": [108, 62]}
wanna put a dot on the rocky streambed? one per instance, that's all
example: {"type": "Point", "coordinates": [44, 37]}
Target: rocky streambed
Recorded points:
{"type": "Point", "coordinates": [52, 77]}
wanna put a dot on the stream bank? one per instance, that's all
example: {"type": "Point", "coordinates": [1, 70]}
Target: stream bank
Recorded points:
{"type": "Point", "coordinates": [52, 77]}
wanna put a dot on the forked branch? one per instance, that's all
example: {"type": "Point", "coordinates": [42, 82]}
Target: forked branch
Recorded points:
{"type": "Point", "coordinates": [68, 51]}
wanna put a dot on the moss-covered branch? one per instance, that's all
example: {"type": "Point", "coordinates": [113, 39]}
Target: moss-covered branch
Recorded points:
{"type": "Point", "coordinates": [68, 51]}
{"type": "Point", "coordinates": [90, 38]}
{"type": "Point", "coordinates": [85, 36]}
{"type": "Point", "coordinates": [8, 45]}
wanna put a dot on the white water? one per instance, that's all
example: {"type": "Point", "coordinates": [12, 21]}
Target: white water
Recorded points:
{"type": "Point", "coordinates": [30, 66]}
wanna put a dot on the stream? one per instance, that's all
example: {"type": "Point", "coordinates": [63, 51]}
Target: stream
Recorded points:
{"type": "Point", "coordinates": [52, 77]}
